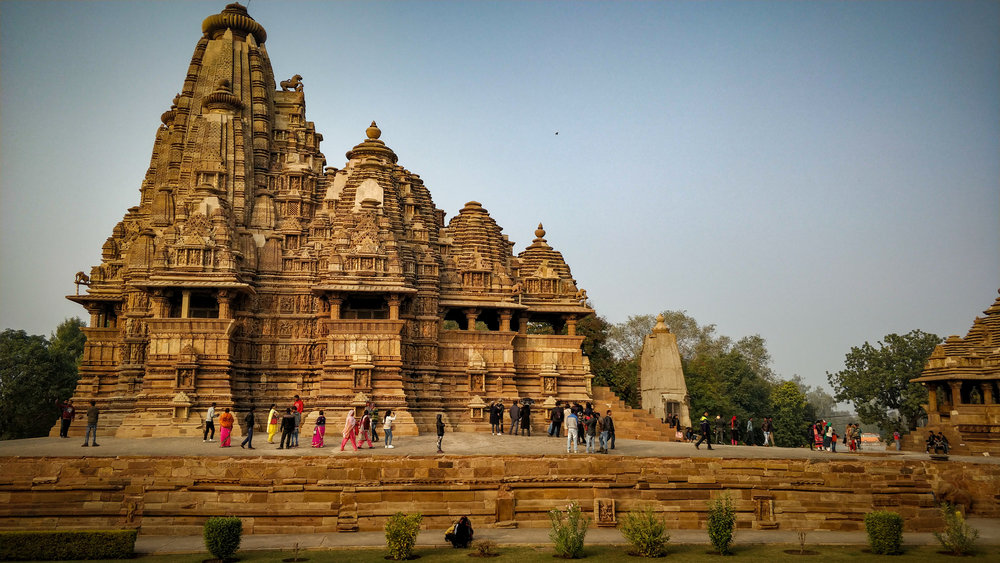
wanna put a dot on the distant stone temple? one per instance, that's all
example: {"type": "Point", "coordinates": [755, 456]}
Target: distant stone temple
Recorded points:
{"type": "Point", "coordinates": [662, 388]}
{"type": "Point", "coordinates": [250, 271]}
{"type": "Point", "coordinates": [962, 378]}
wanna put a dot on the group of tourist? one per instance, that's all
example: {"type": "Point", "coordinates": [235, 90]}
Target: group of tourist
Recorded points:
{"type": "Point", "coordinates": [520, 417]}
{"type": "Point", "coordinates": [937, 442]}
{"type": "Point", "coordinates": [66, 413]}
{"type": "Point", "coordinates": [584, 425]}
{"type": "Point", "coordinates": [824, 437]}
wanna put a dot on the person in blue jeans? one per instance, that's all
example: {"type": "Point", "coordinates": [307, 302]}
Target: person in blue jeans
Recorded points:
{"type": "Point", "coordinates": [571, 431]}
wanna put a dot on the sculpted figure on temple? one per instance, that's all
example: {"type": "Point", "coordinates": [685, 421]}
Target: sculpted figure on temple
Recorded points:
{"type": "Point", "coordinates": [292, 84]}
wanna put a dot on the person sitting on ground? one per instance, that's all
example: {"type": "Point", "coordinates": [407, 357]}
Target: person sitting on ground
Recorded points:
{"type": "Point", "coordinates": [460, 533]}
{"type": "Point", "coordinates": [941, 444]}
{"type": "Point", "coordinates": [931, 439]}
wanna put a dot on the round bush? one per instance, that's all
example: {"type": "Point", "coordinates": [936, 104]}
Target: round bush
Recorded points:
{"type": "Point", "coordinates": [223, 535]}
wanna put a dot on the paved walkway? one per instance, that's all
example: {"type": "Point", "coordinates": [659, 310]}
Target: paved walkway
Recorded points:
{"type": "Point", "coordinates": [456, 443]}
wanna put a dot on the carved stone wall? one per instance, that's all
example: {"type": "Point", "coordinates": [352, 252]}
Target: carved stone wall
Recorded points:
{"type": "Point", "coordinates": [321, 494]}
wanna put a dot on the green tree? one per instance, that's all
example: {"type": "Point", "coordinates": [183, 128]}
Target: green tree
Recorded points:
{"type": "Point", "coordinates": [791, 416]}
{"type": "Point", "coordinates": [876, 379]}
{"type": "Point", "coordinates": [620, 375]}
{"type": "Point", "coordinates": [34, 374]}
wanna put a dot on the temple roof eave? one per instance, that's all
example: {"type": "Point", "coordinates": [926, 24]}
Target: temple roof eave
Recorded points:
{"type": "Point", "coordinates": [362, 288]}
{"type": "Point", "coordinates": [480, 303]}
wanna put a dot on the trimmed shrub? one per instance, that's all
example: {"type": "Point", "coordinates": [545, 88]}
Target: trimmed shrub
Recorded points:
{"type": "Point", "coordinates": [401, 534]}
{"type": "Point", "coordinates": [646, 531]}
{"type": "Point", "coordinates": [568, 531]}
{"type": "Point", "coordinates": [485, 548]}
{"type": "Point", "coordinates": [959, 537]}
{"type": "Point", "coordinates": [67, 545]}
{"type": "Point", "coordinates": [721, 523]}
{"type": "Point", "coordinates": [885, 532]}
{"type": "Point", "coordinates": [223, 535]}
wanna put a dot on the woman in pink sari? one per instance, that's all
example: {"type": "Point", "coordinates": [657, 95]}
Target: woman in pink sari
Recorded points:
{"type": "Point", "coordinates": [320, 431]}
{"type": "Point", "coordinates": [350, 431]}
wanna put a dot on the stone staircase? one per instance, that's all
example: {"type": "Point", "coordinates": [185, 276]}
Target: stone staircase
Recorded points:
{"type": "Point", "coordinates": [631, 424]}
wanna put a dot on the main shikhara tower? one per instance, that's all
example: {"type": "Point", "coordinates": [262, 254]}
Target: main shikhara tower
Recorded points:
{"type": "Point", "coordinates": [251, 271]}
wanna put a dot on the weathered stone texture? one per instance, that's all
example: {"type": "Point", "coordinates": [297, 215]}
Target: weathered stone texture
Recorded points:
{"type": "Point", "coordinates": [299, 495]}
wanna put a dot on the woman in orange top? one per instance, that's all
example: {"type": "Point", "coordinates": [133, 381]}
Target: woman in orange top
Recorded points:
{"type": "Point", "coordinates": [226, 422]}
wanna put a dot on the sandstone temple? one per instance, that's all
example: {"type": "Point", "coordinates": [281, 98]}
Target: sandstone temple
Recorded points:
{"type": "Point", "coordinates": [962, 378]}
{"type": "Point", "coordinates": [250, 271]}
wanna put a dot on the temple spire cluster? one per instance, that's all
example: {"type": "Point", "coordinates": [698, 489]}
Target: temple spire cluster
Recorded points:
{"type": "Point", "coordinates": [251, 270]}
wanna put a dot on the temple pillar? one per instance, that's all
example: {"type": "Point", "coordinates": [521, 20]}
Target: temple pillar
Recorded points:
{"type": "Point", "coordinates": [932, 405]}
{"type": "Point", "coordinates": [987, 389]}
{"type": "Point", "coordinates": [185, 303]}
{"type": "Point", "coordinates": [394, 301]}
{"type": "Point", "coordinates": [224, 298]}
{"type": "Point", "coordinates": [470, 318]}
{"type": "Point", "coordinates": [95, 316]}
{"type": "Point", "coordinates": [335, 308]}
{"type": "Point", "coordinates": [956, 393]}
{"type": "Point", "coordinates": [161, 305]}
{"type": "Point", "coordinates": [570, 324]}
{"type": "Point", "coordinates": [522, 326]}
{"type": "Point", "coordinates": [505, 316]}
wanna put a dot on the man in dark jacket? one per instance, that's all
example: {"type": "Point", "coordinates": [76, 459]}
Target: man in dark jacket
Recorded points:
{"type": "Point", "coordinates": [287, 429]}
{"type": "Point", "coordinates": [249, 420]}
{"type": "Point", "coordinates": [515, 418]}
{"type": "Point", "coordinates": [607, 433]}
{"type": "Point", "coordinates": [706, 429]}
{"type": "Point", "coordinates": [526, 418]}
{"type": "Point", "coordinates": [555, 420]}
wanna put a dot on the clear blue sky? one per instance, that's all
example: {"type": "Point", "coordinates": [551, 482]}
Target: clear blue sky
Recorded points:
{"type": "Point", "coordinates": [820, 173]}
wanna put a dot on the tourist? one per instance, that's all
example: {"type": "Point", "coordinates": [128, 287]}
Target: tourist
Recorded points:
{"type": "Point", "coordinates": [931, 441]}
{"type": "Point", "coordinates": [387, 427]}
{"type": "Point", "coordinates": [857, 437]}
{"type": "Point", "coordinates": [818, 435]}
{"type": "Point", "coordinates": [827, 436]}
{"type": "Point", "coordinates": [849, 437]}
{"type": "Point", "coordinates": [515, 417]}
{"type": "Point", "coordinates": [272, 423]}
{"type": "Point", "coordinates": [500, 410]}
{"type": "Point", "coordinates": [590, 427]}
{"type": "Point", "coordinates": [460, 533]}
{"type": "Point", "coordinates": [676, 421]}
{"type": "Point", "coordinates": [734, 431]}
{"type": "Point", "coordinates": [493, 418]}
{"type": "Point", "coordinates": [750, 438]}
{"type": "Point", "coordinates": [833, 440]}
{"type": "Point", "coordinates": [555, 420]}
{"type": "Point", "coordinates": [226, 423]}
{"type": "Point", "coordinates": [249, 420]}
{"type": "Point", "coordinates": [609, 429]}
{"type": "Point", "coordinates": [209, 424]}
{"type": "Point", "coordinates": [287, 429]}
{"type": "Point", "coordinates": [92, 415]}
{"type": "Point", "coordinates": [66, 414]}
{"type": "Point", "coordinates": [565, 416]}
{"type": "Point", "coordinates": [705, 430]}
{"type": "Point", "coordinates": [440, 432]}
{"type": "Point", "coordinates": [526, 416]}
{"type": "Point", "coordinates": [941, 443]}
{"type": "Point", "coordinates": [720, 428]}
{"type": "Point", "coordinates": [366, 431]}
{"type": "Point", "coordinates": [765, 427]}
{"type": "Point", "coordinates": [895, 438]}
{"type": "Point", "coordinates": [373, 416]}
{"type": "Point", "coordinates": [320, 431]}
{"type": "Point", "coordinates": [572, 430]}
{"type": "Point", "coordinates": [580, 414]}
{"type": "Point", "coordinates": [350, 431]}
{"type": "Point", "coordinates": [299, 406]}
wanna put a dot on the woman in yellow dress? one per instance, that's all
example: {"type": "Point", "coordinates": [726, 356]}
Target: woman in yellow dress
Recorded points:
{"type": "Point", "coordinates": [272, 423]}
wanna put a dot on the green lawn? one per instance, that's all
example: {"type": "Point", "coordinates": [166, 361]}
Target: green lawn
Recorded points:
{"type": "Point", "coordinates": [602, 553]}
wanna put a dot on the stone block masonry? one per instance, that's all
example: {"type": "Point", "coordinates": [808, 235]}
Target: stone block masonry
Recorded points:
{"type": "Point", "coordinates": [175, 495]}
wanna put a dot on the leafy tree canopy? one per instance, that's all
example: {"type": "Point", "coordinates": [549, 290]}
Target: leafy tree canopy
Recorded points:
{"type": "Point", "coordinates": [876, 379]}
{"type": "Point", "coordinates": [34, 374]}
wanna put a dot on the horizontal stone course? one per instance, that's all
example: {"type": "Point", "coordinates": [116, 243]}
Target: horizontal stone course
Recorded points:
{"type": "Point", "coordinates": [298, 495]}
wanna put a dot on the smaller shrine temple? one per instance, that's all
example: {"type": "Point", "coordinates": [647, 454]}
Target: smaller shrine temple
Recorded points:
{"type": "Point", "coordinates": [962, 377]}
{"type": "Point", "coordinates": [662, 389]}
